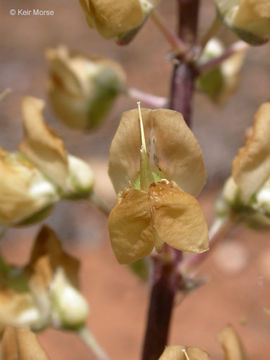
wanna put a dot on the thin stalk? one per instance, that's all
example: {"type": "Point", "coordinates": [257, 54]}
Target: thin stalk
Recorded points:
{"type": "Point", "coordinates": [210, 33]}
{"type": "Point", "coordinates": [3, 232]}
{"type": "Point", "coordinates": [233, 49]}
{"type": "Point", "coordinates": [176, 43]}
{"type": "Point", "coordinates": [166, 278]}
{"type": "Point", "coordinates": [87, 337]}
{"type": "Point", "coordinates": [99, 203]}
{"type": "Point", "coordinates": [149, 99]}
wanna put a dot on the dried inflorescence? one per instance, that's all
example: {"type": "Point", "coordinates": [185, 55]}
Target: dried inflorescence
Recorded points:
{"type": "Point", "coordinates": [33, 179]}
{"type": "Point", "coordinates": [45, 291]}
{"type": "Point", "coordinates": [82, 89]}
{"type": "Point", "coordinates": [249, 19]}
{"type": "Point", "coordinates": [156, 167]}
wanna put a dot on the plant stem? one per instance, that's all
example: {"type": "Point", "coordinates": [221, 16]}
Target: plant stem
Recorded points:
{"type": "Point", "coordinates": [148, 99]}
{"type": "Point", "coordinates": [185, 73]}
{"type": "Point", "coordinates": [166, 278]}
{"type": "Point", "coordinates": [89, 340]}
{"type": "Point", "coordinates": [164, 287]}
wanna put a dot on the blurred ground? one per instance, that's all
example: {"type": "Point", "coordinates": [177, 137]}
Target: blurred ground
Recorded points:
{"type": "Point", "coordinates": [237, 289]}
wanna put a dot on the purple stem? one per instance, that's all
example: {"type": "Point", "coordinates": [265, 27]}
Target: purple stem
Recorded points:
{"type": "Point", "coordinates": [166, 279]}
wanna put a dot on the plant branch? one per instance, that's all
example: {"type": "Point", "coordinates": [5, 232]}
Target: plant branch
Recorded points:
{"type": "Point", "coordinates": [87, 337]}
{"type": "Point", "coordinates": [233, 49]}
{"type": "Point", "coordinates": [149, 99]}
{"type": "Point", "coordinates": [210, 33]}
{"type": "Point", "coordinates": [176, 43]}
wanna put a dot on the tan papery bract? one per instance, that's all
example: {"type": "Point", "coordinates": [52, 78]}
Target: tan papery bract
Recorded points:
{"type": "Point", "coordinates": [73, 86]}
{"type": "Point", "coordinates": [142, 220]}
{"type": "Point", "coordinates": [47, 255]}
{"type": "Point", "coordinates": [130, 226]}
{"type": "Point", "coordinates": [231, 344]}
{"type": "Point", "coordinates": [250, 19]}
{"type": "Point", "coordinates": [178, 218]}
{"type": "Point", "coordinates": [173, 150]}
{"type": "Point", "coordinates": [21, 344]}
{"type": "Point", "coordinates": [113, 18]}
{"type": "Point", "coordinates": [41, 144]}
{"type": "Point", "coordinates": [18, 179]}
{"type": "Point", "coordinates": [251, 167]}
{"type": "Point", "coordinates": [175, 352]}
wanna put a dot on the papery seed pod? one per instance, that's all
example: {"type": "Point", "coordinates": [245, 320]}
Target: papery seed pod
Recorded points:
{"type": "Point", "coordinates": [26, 195]}
{"type": "Point", "coordinates": [153, 156]}
{"type": "Point", "coordinates": [117, 19]}
{"type": "Point", "coordinates": [82, 90]}
{"type": "Point", "coordinates": [43, 147]}
{"type": "Point", "coordinates": [249, 19]}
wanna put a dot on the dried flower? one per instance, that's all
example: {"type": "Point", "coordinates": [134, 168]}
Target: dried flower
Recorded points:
{"type": "Point", "coordinates": [249, 19]}
{"type": "Point", "coordinates": [228, 338]}
{"type": "Point", "coordinates": [21, 344]}
{"type": "Point", "coordinates": [248, 190]}
{"type": "Point", "coordinates": [156, 185]}
{"type": "Point", "coordinates": [222, 81]}
{"type": "Point", "coordinates": [231, 344]}
{"type": "Point", "coordinates": [26, 194]}
{"type": "Point", "coordinates": [117, 18]}
{"type": "Point", "coordinates": [34, 295]}
{"type": "Point", "coordinates": [45, 149]}
{"type": "Point", "coordinates": [178, 352]}
{"type": "Point", "coordinates": [83, 89]}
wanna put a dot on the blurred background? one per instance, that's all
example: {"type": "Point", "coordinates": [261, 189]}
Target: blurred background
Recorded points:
{"type": "Point", "coordinates": [238, 272]}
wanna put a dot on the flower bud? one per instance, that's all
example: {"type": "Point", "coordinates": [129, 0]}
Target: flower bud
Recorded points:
{"type": "Point", "coordinates": [26, 194]}
{"type": "Point", "coordinates": [82, 90]}
{"type": "Point", "coordinates": [69, 306]}
{"type": "Point", "coordinates": [220, 82]}
{"type": "Point", "coordinates": [80, 180]}
{"type": "Point", "coordinates": [117, 18]}
{"type": "Point", "coordinates": [249, 19]}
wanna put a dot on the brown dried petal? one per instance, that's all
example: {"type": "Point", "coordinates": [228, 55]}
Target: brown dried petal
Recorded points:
{"type": "Point", "coordinates": [251, 166]}
{"type": "Point", "coordinates": [47, 255]}
{"type": "Point", "coordinates": [231, 344]}
{"type": "Point", "coordinates": [21, 344]}
{"type": "Point", "coordinates": [130, 227]}
{"type": "Point", "coordinates": [171, 146]}
{"type": "Point", "coordinates": [113, 18]}
{"type": "Point", "coordinates": [178, 218]}
{"type": "Point", "coordinates": [176, 353]}
{"type": "Point", "coordinates": [42, 145]}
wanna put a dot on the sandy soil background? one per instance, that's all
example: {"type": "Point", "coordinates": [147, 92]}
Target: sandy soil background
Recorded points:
{"type": "Point", "coordinates": [238, 272]}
